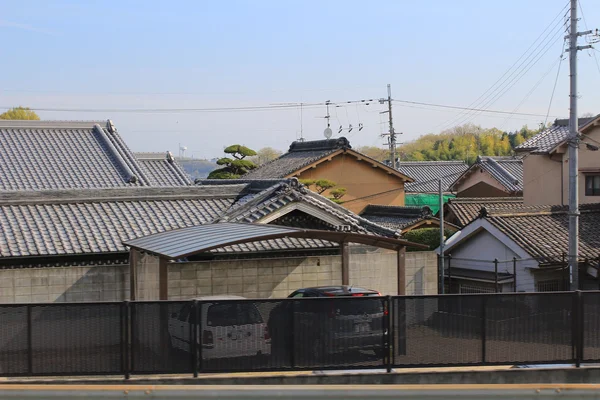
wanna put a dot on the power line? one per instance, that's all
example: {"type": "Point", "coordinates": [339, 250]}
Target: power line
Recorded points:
{"type": "Point", "coordinates": [553, 90]}
{"type": "Point", "coordinates": [514, 79]}
{"type": "Point", "coordinates": [586, 28]}
{"type": "Point", "coordinates": [468, 108]}
{"type": "Point", "coordinates": [493, 87]}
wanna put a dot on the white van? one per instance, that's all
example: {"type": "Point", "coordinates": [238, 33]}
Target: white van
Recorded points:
{"type": "Point", "coordinates": [228, 328]}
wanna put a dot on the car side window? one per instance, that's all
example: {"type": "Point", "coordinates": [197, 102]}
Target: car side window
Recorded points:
{"type": "Point", "coordinates": [184, 313]}
{"type": "Point", "coordinates": [222, 314]}
{"type": "Point", "coordinates": [297, 294]}
{"type": "Point", "coordinates": [248, 315]}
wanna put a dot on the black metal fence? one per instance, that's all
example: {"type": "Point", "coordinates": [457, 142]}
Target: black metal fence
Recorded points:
{"type": "Point", "coordinates": [299, 334]}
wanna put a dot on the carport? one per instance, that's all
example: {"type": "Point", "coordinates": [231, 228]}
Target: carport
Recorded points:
{"type": "Point", "coordinates": [186, 242]}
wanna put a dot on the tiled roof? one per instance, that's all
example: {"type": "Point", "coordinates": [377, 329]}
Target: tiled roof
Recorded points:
{"type": "Point", "coordinates": [279, 196]}
{"type": "Point", "coordinates": [39, 155]}
{"type": "Point", "coordinates": [299, 155]}
{"type": "Point", "coordinates": [427, 173]}
{"type": "Point", "coordinates": [162, 169]}
{"type": "Point", "coordinates": [97, 221]}
{"type": "Point", "coordinates": [467, 209]}
{"type": "Point", "coordinates": [549, 138]}
{"type": "Point", "coordinates": [395, 217]}
{"type": "Point", "coordinates": [94, 221]}
{"type": "Point", "coordinates": [544, 234]}
{"type": "Point", "coordinates": [508, 171]}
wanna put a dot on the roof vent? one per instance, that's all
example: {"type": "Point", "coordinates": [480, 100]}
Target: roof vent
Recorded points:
{"type": "Point", "coordinates": [483, 212]}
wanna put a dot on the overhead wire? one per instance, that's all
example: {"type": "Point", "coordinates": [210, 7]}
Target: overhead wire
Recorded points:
{"type": "Point", "coordinates": [519, 75]}
{"type": "Point", "coordinates": [493, 87]}
{"type": "Point", "coordinates": [553, 91]}
{"type": "Point", "coordinates": [586, 28]}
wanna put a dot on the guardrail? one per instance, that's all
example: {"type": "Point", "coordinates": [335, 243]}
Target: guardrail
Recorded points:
{"type": "Point", "coordinates": [193, 337]}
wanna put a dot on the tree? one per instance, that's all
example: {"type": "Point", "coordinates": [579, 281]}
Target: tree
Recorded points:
{"type": "Point", "coordinates": [265, 155]}
{"type": "Point", "coordinates": [322, 185]}
{"type": "Point", "coordinates": [426, 236]}
{"type": "Point", "coordinates": [234, 167]}
{"type": "Point", "coordinates": [376, 153]}
{"type": "Point", "coordinates": [21, 113]}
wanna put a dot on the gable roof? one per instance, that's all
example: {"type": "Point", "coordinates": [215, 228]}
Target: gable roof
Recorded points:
{"type": "Point", "coordinates": [401, 218]}
{"type": "Point", "coordinates": [43, 155]}
{"type": "Point", "coordinates": [162, 169]}
{"type": "Point", "coordinates": [467, 209]}
{"type": "Point", "coordinates": [427, 173]}
{"type": "Point", "coordinates": [548, 139]}
{"type": "Point", "coordinates": [507, 171]}
{"type": "Point", "coordinates": [544, 233]}
{"type": "Point", "coordinates": [301, 155]}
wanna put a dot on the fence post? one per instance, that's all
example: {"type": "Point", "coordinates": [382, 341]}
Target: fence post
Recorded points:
{"type": "Point", "coordinates": [29, 341]}
{"type": "Point", "coordinates": [387, 338]}
{"type": "Point", "coordinates": [125, 333]}
{"type": "Point", "coordinates": [292, 348]}
{"type": "Point", "coordinates": [598, 272]}
{"type": "Point", "coordinates": [515, 274]}
{"type": "Point", "coordinates": [580, 325]}
{"type": "Point", "coordinates": [496, 275]}
{"type": "Point", "coordinates": [483, 327]}
{"type": "Point", "coordinates": [449, 273]}
{"type": "Point", "coordinates": [575, 330]}
{"type": "Point", "coordinates": [194, 336]}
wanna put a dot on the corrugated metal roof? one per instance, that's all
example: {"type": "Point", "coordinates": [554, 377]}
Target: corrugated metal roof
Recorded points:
{"type": "Point", "coordinates": [180, 243]}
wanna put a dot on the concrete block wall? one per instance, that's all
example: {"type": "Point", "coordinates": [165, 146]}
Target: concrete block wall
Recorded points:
{"type": "Point", "coordinates": [374, 268]}
{"type": "Point", "coordinates": [64, 284]}
{"type": "Point", "coordinates": [421, 273]}
{"type": "Point", "coordinates": [263, 278]}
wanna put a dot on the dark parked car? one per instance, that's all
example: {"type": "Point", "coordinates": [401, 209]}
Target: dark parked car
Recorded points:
{"type": "Point", "coordinates": [351, 320]}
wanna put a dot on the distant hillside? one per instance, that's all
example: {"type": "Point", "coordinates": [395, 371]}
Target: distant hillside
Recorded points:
{"type": "Point", "coordinates": [464, 143]}
{"type": "Point", "coordinates": [197, 168]}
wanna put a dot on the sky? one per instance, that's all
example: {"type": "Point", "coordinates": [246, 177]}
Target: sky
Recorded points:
{"type": "Point", "coordinates": [98, 60]}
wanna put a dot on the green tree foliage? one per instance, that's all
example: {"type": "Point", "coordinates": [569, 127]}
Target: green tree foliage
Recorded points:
{"type": "Point", "coordinates": [374, 152]}
{"type": "Point", "coordinates": [426, 236]}
{"type": "Point", "coordinates": [235, 167]}
{"type": "Point", "coordinates": [265, 155]}
{"type": "Point", "coordinates": [22, 113]}
{"type": "Point", "coordinates": [464, 142]}
{"type": "Point", "coordinates": [322, 185]}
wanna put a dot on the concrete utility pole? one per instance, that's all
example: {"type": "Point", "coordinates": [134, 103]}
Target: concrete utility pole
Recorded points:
{"type": "Point", "coordinates": [573, 143]}
{"type": "Point", "coordinates": [442, 260]}
{"type": "Point", "coordinates": [391, 133]}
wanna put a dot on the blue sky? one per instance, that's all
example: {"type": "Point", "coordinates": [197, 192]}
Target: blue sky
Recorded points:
{"type": "Point", "coordinates": [198, 54]}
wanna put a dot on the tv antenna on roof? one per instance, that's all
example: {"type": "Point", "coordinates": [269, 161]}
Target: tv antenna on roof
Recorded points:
{"type": "Point", "coordinates": [327, 132]}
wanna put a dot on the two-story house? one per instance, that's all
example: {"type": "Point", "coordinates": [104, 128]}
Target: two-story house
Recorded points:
{"type": "Point", "coordinates": [546, 164]}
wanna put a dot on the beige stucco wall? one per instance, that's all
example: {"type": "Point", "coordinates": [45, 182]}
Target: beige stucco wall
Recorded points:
{"type": "Point", "coordinates": [542, 174]}
{"type": "Point", "coordinates": [374, 269]}
{"type": "Point", "coordinates": [542, 180]}
{"type": "Point", "coordinates": [480, 177]}
{"type": "Point", "coordinates": [360, 179]}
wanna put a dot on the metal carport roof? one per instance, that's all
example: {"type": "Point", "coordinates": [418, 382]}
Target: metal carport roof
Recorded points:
{"type": "Point", "coordinates": [184, 242]}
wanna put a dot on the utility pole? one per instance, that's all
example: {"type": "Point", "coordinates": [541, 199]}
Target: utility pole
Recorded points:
{"type": "Point", "coordinates": [442, 259]}
{"type": "Point", "coordinates": [573, 143]}
{"type": "Point", "coordinates": [391, 133]}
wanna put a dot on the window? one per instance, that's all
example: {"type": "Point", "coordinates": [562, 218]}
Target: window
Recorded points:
{"type": "Point", "coordinates": [592, 185]}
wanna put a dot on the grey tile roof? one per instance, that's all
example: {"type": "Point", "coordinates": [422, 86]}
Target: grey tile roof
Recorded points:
{"type": "Point", "coordinates": [162, 169]}
{"type": "Point", "coordinates": [395, 217]}
{"type": "Point", "coordinates": [427, 173]}
{"type": "Point", "coordinates": [299, 155]}
{"type": "Point", "coordinates": [88, 221]}
{"type": "Point", "coordinates": [544, 233]}
{"type": "Point", "coordinates": [95, 221]}
{"type": "Point", "coordinates": [548, 139]}
{"type": "Point", "coordinates": [38, 155]}
{"type": "Point", "coordinates": [508, 171]}
{"type": "Point", "coordinates": [465, 210]}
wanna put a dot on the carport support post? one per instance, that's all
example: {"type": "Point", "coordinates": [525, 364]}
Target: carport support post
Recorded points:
{"type": "Point", "coordinates": [401, 271]}
{"type": "Point", "coordinates": [515, 274]}
{"type": "Point", "coordinates": [163, 279]}
{"type": "Point", "coordinates": [496, 275]}
{"type": "Point", "coordinates": [134, 256]}
{"type": "Point", "coordinates": [345, 263]}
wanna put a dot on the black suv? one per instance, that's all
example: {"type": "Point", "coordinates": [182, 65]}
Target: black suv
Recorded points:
{"type": "Point", "coordinates": [332, 320]}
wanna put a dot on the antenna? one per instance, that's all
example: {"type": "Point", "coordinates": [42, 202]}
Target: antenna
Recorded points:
{"type": "Point", "coordinates": [327, 132]}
